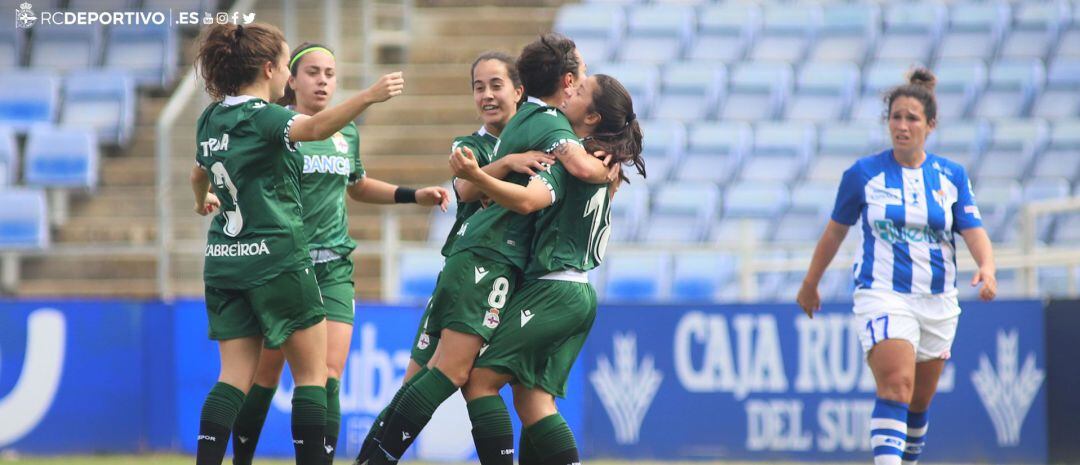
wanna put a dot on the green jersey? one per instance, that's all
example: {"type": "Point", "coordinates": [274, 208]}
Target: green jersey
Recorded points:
{"type": "Point", "coordinates": [496, 232]}
{"type": "Point", "coordinates": [482, 145]}
{"type": "Point", "coordinates": [330, 166]}
{"type": "Point", "coordinates": [255, 171]}
{"type": "Point", "coordinates": [572, 233]}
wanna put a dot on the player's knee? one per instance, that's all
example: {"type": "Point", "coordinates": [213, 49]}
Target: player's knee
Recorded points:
{"type": "Point", "coordinates": [333, 371]}
{"type": "Point", "coordinates": [896, 386]}
{"type": "Point", "coordinates": [459, 375]}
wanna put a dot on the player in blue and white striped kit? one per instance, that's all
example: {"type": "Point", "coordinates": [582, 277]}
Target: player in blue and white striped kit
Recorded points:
{"type": "Point", "coordinates": [908, 206]}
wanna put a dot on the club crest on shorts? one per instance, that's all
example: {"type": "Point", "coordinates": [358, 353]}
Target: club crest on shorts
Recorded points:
{"type": "Point", "coordinates": [491, 319]}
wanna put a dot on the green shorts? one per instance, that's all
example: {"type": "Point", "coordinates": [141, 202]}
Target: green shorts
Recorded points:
{"type": "Point", "coordinates": [424, 344]}
{"type": "Point", "coordinates": [289, 302]}
{"type": "Point", "coordinates": [470, 295]}
{"type": "Point", "coordinates": [542, 334]}
{"type": "Point", "coordinates": [338, 291]}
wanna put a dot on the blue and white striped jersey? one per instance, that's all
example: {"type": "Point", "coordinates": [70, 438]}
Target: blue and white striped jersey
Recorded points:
{"type": "Point", "coordinates": [909, 220]}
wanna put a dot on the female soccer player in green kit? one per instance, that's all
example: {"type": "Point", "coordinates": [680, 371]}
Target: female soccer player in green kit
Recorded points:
{"type": "Point", "coordinates": [259, 277]}
{"type": "Point", "coordinates": [332, 169]}
{"type": "Point", "coordinates": [549, 317]}
{"type": "Point", "coordinates": [493, 244]}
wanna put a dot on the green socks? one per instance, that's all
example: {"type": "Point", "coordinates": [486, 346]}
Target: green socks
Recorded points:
{"type": "Point", "coordinates": [492, 431]}
{"type": "Point", "coordinates": [333, 416]}
{"type": "Point", "coordinates": [218, 413]}
{"type": "Point", "coordinates": [414, 411]}
{"type": "Point", "coordinates": [249, 423]}
{"type": "Point", "coordinates": [371, 441]}
{"type": "Point", "coordinates": [553, 441]}
{"type": "Point", "coordinates": [309, 424]}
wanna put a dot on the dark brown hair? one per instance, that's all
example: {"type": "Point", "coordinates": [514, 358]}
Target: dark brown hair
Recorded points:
{"type": "Point", "coordinates": [543, 63]}
{"type": "Point", "coordinates": [506, 60]}
{"type": "Point", "coordinates": [618, 133]}
{"type": "Point", "coordinates": [290, 95]}
{"type": "Point", "coordinates": [232, 56]}
{"type": "Point", "coordinates": [920, 87]}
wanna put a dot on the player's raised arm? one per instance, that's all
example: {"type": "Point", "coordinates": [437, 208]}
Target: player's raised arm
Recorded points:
{"type": "Point", "coordinates": [325, 123]}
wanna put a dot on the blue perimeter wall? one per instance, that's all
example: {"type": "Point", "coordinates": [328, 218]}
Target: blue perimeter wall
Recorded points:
{"type": "Point", "coordinates": [749, 382]}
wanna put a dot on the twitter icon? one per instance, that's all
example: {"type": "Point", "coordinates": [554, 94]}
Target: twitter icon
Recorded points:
{"type": "Point", "coordinates": [249, 18]}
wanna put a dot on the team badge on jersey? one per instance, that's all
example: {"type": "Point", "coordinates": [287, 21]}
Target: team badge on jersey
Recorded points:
{"type": "Point", "coordinates": [424, 342]}
{"type": "Point", "coordinates": [491, 319]}
{"type": "Point", "coordinates": [340, 143]}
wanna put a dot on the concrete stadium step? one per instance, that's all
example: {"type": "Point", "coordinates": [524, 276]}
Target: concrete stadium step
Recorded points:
{"type": "Point", "coordinates": [518, 19]}
{"type": "Point", "coordinates": [398, 139]}
{"type": "Point", "coordinates": [440, 50]}
{"type": "Point", "coordinates": [141, 287]}
{"type": "Point", "coordinates": [116, 202]}
{"type": "Point", "coordinates": [92, 230]}
{"type": "Point", "coordinates": [423, 109]}
{"type": "Point", "coordinates": [89, 267]}
{"type": "Point", "coordinates": [128, 171]}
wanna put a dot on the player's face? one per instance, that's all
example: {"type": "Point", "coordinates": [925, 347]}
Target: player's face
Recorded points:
{"type": "Point", "coordinates": [577, 106]}
{"type": "Point", "coordinates": [280, 74]}
{"type": "Point", "coordinates": [494, 93]}
{"type": "Point", "coordinates": [315, 80]}
{"type": "Point", "coordinates": [907, 125]}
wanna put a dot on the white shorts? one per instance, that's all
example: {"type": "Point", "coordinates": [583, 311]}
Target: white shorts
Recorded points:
{"type": "Point", "coordinates": [928, 321]}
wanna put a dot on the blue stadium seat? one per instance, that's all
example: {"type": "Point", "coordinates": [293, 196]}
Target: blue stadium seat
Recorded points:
{"type": "Point", "coordinates": [997, 204]}
{"type": "Point", "coordinates": [799, 227]}
{"type": "Point", "coordinates": [736, 231]}
{"type": "Point", "coordinates": [698, 277]}
{"type": "Point", "coordinates": [974, 30]}
{"type": "Point", "coordinates": [1035, 28]}
{"type": "Point", "coordinates": [756, 91]}
{"type": "Point", "coordinates": [595, 28]}
{"type": "Point", "coordinates": [725, 31]}
{"type": "Point", "coordinates": [150, 53]}
{"type": "Point", "coordinates": [814, 197]}
{"type": "Point", "coordinates": [1062, 155]}
{"type": "Point", "coordinates": [630, 208]}
{"type": "Point", "coordinates": [61, 157]}
{"type": "Point", "coordinates": [960, 141]}
{"type": "Point", "coordinates": [1069, 42]}
{"type": "Point", "coordinates": [636, 276]}
{"type": "Point", "coordinates": [418, 272]}
{"type": "Point", "coordinates": [681, 212]}
{"type": "Point", "coordinates": [786, 32]}
{"type": "Point", "coordinates": [12, 44]}
{"type": "Point", "coordinates": [714, 152]}
{"type": "Point", "coordinates": [656, 33]}
{"type": "Point", "coordinates": [28, 98]}
{"type": "Point", "coordinates": [823, 92]}
{"type": "Point", "coordinates": [755, 199]}
{"type": "Point", "coordinates": [840, 144]}
{"type": "Point", "coordinates": [102, 100]}
{"type": "Point", "coordinates": [9, 156]}
{"type": "Point", "coordinates": [1011, 89]}
{"type": "Point", "coordinates": [1011, 149]}
{"type": "Point", "coordinates": [23, 220]}
{"type": "Point", "coordinates": [66, 47]}
{"type": "Point", "coordinates": [1067, 230]}
{"type": "Point", "coordinates": [1061, 96]}
{"type": "Point", "coordinates": [641, 79]}
{"type": "Point", "coordinates": [959, 84]}
{"type": "Point", "coordinates": [910, 31]}
{"type": "Point", "coordinates": [781, 151]}
{"type": "Point", "coordinates": [1035, 190]}
{"type": "Point", "coordinates": [690, 91]}
{"type": "Point", "coordinates": [877, 78]}
{"type": "Point", "coordinates": [848, 32]}
{"type": "Point", "coordinates": [664, 146]}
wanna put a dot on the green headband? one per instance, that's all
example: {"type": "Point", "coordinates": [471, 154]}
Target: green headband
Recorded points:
{"type": "Point", "coordinates": [305, 52]}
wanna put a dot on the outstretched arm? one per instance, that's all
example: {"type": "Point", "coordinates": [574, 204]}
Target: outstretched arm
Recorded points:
{"type": "Point", "coordinates": [369, 190]}
{"type": "Point", "coordinates": [325, 123]}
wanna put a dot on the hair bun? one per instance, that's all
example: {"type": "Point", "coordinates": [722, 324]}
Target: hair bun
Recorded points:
{"type": "Point", "coordinates": [922, 77]}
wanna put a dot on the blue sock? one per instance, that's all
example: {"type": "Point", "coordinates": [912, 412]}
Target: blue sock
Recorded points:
{"type": "Point", "coordinates": [888, 430]}
{"type": "Point", "coordinates": [917, 423]}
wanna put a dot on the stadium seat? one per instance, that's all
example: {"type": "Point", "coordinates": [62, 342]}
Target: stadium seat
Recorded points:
{"type": "Point", "coordinates": [656, 33]}
{"type": "Point", "coordinates": [851, 140]}
{"type": "Point", "coordinates": [755, 199]}
{"type": "Point", "coordinates": [1011, 88]}
{"type": "Point", "coordinates": [1035, 28]}
{"type": "Point", "coordinates": [12, 43]}
{"type": "Point", "coordinates": [594, 27]}
{"type": "Point", "coordinates": [848, 32]}
{"type": "Point", "coordinates": [786, 31]}
{"type": "Point", "coordinates": [64, 48]}
{"type": "Point", "coordinates": [725, 31]}
{"type": "Point", "coordinates": [800, 227]}
{"type": "Point", "coordinates": [418, 272]}
{"type": "Point", "coordinates": [823, 92]}
{"type": "Point", "coordinates": [781, 151]}
{"type": "Point", "coordinates": [698, 277]}
{"type": "Point", "coordinates": [149, 53]}
{"type": "Point", "coordinates": [1061, 96]}
{"type": "Point", "coordinates": [733, 232]}
{"type": "Point", "coordinates": [1067, 230]}
{"type": "Point", "coordinates": [690, 91]}
{"type": "Point", "coordinates": [23, 220]}
{"type": "Point", "coordinates": [877, 78]}
{"type": "Point", "coordinates": [663, 147]}
{"type": "Point", "coordinates": [681, 212]}
{"type": "Point", "coordinates": [641, 79]}
{"type": "Point", "coordinates": [714, 152]}
{"type": "Point", "coordinates": [960, 141]}
{"type": "Point", "coordinates": [630, 208]}
{"type": "Point", "coordinates": [959, 84]}
{"type": "Point", "coordinates": [1011, 149]}
{"type": "Point", "coordinates": [756, 91]}
{"type": "Point", "coordinates": [1062, 155]}
{"type": "Point", "coordinates": [974, 30]}
{"type": "Point", "coordinates": [28, 98]}
{"type": "Point", "coordinates": [1044, 189]}
{"type": "Point", "coordinates": [1069, 42]}
{"type": "Point", "coordinates": [636, 276]}
{"type": "Point", "coordinates": [814, 197]}
{"type": "Point", "coordinates": [910, 31]}
{"type": "Point", "coordinates": [61, 157]}
{"type": "Point", "coordinates": [102, 100]}
{"type": "Point", "coordinates": [9, 156]}
{"type": "Point", "coordinates": [776, 286]}
{"type": "Point", "coordinates": [837, 285]}
{"type": "Point", "coordinates": [997, 203]}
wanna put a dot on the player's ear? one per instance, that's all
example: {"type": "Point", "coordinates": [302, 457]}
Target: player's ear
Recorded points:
{"type": "Point", "coordinates": [593, 118]}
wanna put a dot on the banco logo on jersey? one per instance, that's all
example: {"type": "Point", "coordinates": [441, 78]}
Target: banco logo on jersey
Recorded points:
{"type": "Point", "coordinates": [1008, 391]}
{"type": "Point", "coordinates": [326, 164]}
{"type": "Point", "coordinates": [26, 405]}
{"type": "Point", "coordinates": [891, 233]}
{"type": "Point", "coordinates": [625, 388]}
